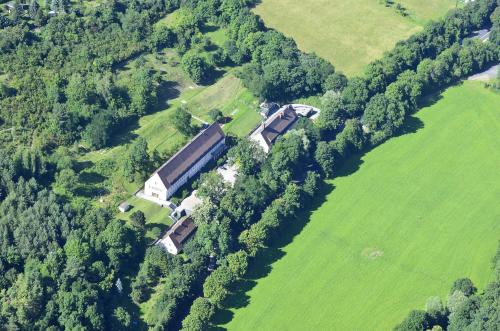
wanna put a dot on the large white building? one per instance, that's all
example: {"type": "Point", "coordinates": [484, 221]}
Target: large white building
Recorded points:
{"type": "Point", "coordinates": [186, 163]}
{"type": "Point", "coordinates": [274, 126]}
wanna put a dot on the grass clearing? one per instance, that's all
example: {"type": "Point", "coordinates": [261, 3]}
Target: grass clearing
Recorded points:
{"type": "Point", "coordinates": [350, 34]}
{"type": "Point", "coordinates": [156, 216]}
{"type": "Point", "coordinates": [399, 226]}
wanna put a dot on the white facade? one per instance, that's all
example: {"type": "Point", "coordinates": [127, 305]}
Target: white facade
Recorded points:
{"type": "Point", "coordinates": [261, 141]}
{"type": "Point", "coordinates": [155, 187]}
{"type": "Point", "coordinates": [169, 245]}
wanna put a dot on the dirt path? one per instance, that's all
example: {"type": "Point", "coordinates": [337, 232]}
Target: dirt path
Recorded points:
{"type": "Point", "coordinates": [486, 75]}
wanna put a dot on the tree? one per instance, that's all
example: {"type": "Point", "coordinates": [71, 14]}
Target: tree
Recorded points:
{"type": "Point", "coordinates": [137, 161]}
{"type": "Point", "coordinates": [325, 156]}
{"type": "Point", "coordinates": [335, 82]}
{"type": "Point", "coordinates": [381, 116]}
{"type": "Point", "coordinates": [216, 115]}
{"type": "Point", "coordinates": [143, 91]}
{"type": "Point", "coordinates": [495, 30]}
{"type": "Point", "coordinates": [416, 320]}
{"type": "Point", "coordinates": [99, 130]}
{"type": "Point", "coordinates": [216, 285]}
{"type": "Point", "coordinates": [212, 187]}
{"type": "Point", "coordinates": [248, 156]}
{"type": "Point", "coordinates": [199, 316]}
{"type": "Point", "coordinates": [434, 307]}
{"type": "Point", "coordinates": [238, 263]}
{"type": "Point", "coordinates": [311, 183]}
{"type": "Point", "coordinates": [333, 114]}
{"type": "Point", "coordinates": [355, 95]}
{"type": "Point", "coordinates": [182, 121]}
{"type": "Point", "coordinates": [121, 318]}
{"type": "Point", "coordinates": [33, 8]}
{"type": "Point", "coordinates": [455, 300]}
{"type": "Point", "coordinates": [138, 219]}
{"type": "Point", "coordinates": [67, 181]}
{"type": "Point", "coordinates": [117, 242]}
{"type": "Point", "coordinates": [254, 239]}
{"type": "Point", "coordinates": [463, 285]}
{"type": "Point", "coordinates": [316, 70]}
{"type": "Point", "coordinates": [140, 289]}
{"type": "Point", "coordinates": [196, 66]}
{"type": "Point", "coordinates": [351, 139]}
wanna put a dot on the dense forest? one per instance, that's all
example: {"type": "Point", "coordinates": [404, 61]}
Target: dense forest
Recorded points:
{"type": "Point", "coordinates": [63, 259]}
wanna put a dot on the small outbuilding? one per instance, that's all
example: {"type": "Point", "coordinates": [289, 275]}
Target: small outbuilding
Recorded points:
{"type": "Point", "coordinates": [268, 108]}
{"type": "Point", "coordinates": [124, 207]}
{"type": "Point", "coordinates": [177, 235]}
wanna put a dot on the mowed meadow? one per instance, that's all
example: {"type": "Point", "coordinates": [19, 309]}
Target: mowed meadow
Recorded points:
{"type": "Point", "coordinates": [400, 225]}
{"type": "Point", "coordinates": [350, 34]}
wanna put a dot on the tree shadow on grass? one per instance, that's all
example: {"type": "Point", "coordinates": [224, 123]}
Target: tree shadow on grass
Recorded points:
{"type": "Point", "coordinates": [91, 191]}
{"type": "Point", "coordinates": [126, 133]}
{"type": "Point", "coordinates": [261, 265]}
{"type": "Point", "coordinates": [91, 178]}
{"type": "Point", "coordinates": [152, 225]}
{"type": "Point", "coordinates": [167, 90]}
{"type": "Point", "coordinates": [82, 165]}
{"type": "Point", "coordinates": [411, 125]}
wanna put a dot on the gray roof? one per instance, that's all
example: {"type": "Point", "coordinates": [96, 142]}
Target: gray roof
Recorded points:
{"type": "Point", "coordinates": [191, 153]}
{"type": "Point", "coordinates": [279, 124]}
{"type": "Point", "coordinates": [268, 108]}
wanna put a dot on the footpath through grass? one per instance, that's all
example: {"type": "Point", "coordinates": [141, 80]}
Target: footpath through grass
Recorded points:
{"type": "Point", "coordinates": [399, 226]}
{"type": "Point", "coordinates": [350, 34]}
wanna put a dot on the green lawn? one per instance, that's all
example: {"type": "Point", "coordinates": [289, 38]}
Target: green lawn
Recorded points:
{"type": "Point", "coordinates": [156, 216]}
{"type": "Point", "coordinates": [233, 99]}
{"type": "Point", "coordinates": [421, 211]}
{"type": "Point", "coordinates": [350, 34]}
{"type": "Point", "coordinates": [423, 11]}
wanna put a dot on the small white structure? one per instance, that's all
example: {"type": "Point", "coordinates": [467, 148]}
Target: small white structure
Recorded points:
{"type": "Point", "coordinates": [186, 163]}
{"type": "Point", "coordinates": [274, 126]}
{"type": "Point", "coordinates": [177, 235]}
{"type": "Point", "coordinates": [124, 207]}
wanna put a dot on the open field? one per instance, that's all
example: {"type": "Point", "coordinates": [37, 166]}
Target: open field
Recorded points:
{"type": "Point", "coordinates": [399, 225]}
{"type": "Point", "coordinates": [426, 10]}
{"type": "Point", "coordinates": [350, 34]}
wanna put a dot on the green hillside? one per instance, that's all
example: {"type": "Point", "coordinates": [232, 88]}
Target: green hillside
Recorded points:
{"type": "Point", "coordinates": [350, 34]}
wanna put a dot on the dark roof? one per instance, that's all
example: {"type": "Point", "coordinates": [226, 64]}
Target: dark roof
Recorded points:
{"type": "Point", "coordinates": [279, 124]}
{"type": "Point", "coordinates": [181, 230]}
{"type": "Point", "coordinates": [192, 152]}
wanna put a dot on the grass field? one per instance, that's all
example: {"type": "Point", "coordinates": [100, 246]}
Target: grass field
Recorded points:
{"type": "Point", "coordinates": [400, 225]}
{"type": "Point", "coordinates": [350, 34]}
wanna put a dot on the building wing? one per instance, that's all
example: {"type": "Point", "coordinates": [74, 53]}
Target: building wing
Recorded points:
{"type": "Point", "coordinates": [278, 124]}
{"type": "Point", "coordinates": [192, 152]}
